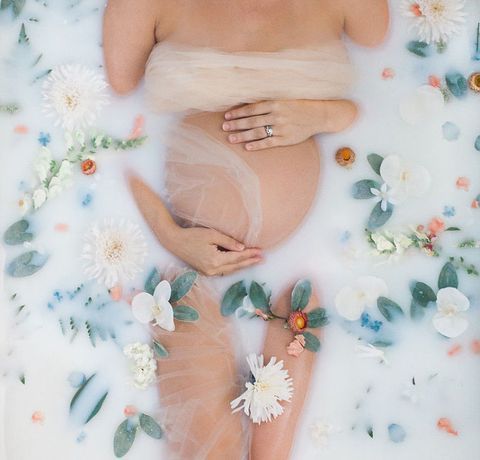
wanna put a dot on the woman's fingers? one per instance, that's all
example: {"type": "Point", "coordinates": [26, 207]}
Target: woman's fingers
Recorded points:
{"type": "Point", "coordinates": [245, 136]}
{"type": "Point", "coordinates": [248, 123]}
{"type": "Point", "coordinates": [249, 110]}
{"type": "Point", "coordinates": [227, 269]}
{"type": "Point", "coordinates": [227, 258]}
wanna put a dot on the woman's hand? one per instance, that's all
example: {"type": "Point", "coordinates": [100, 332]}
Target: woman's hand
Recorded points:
{"type": "Point", "coordinates": [292, 121]}
{"type": "Point", "coordinates": [212, 253]}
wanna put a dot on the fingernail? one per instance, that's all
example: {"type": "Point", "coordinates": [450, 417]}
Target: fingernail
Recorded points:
{"type": "Point", "coordinates": [226, 126]}
{"type": "Point", "coordinates": [228, 115]}
{"type": "Point", "coordinates": [232, 138]}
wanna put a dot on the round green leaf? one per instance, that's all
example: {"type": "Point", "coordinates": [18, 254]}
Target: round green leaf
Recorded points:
{"type": "Point", "coordinates": [418, 48]}
{"type": "Point", "coordinates": [233, 298]}
{"type": "Point", "coordinates": [361, 189]}
{"type": "Point", "coordinates": [317, 317]}
{"type": "Point", "coordinates": [311, 341]}
{"type": "Point", "coordinates": [456, 83]}
{"type": "Point", "coordinates": [17, 233]}
{"type": "Point", "coordinates": [123, 439]}
{"type": "Point", "coordinates": [388, 308]}
{"type": "Point", "coordinates": [26, 264]}
{"type": "Point", "coordinates": [150, 426]}
{"type": "Point", "coordinates": [258, 296]}
{"type": "Point", "coordinates": [423, 293]}
{"type": "Point", "coordinates": [378, 217]}
{"type": "Point", "coordinates": [375, 162]}
{"type": "Point", "coordinates": [301, 294]}
{"type": "Point", "coordinates": [182, 284]}
{"type": "Point", "coordinates": [448, 276]}
{"type": "Point", "coordinates": [185, 313]}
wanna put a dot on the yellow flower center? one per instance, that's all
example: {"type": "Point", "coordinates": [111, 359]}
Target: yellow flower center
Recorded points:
{"type": "Point", "coordinates": [114, 251]}
{"type": "Point", "coordinates": [450, 310]}
{"type": "Point", "coordinates": [156, 310]}
{"type": "Point", "coordinates": [71, 101]}
{"type": "Point", "coordinates": [300, 322]}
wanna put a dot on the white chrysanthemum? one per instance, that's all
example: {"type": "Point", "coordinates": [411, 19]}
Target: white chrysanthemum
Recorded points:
{"type": "Point", "coordinates": [450, 320]}
{"type": "Point", "coordinates": [269, 385]}
{"type": "Point", "coordinates": [113, 251]}
{"type": "Point", "coordinates": [74, 94]}
{"type": "Point", "coordinates": [142, 364]}
{"type": "Point", "coordinates": [435, 21]}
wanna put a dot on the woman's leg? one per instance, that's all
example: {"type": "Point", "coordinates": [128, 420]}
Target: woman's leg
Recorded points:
{"type": "Point", "coordinates": [197, 381]}
{"type": "Point", "coordinates": [274, 440]}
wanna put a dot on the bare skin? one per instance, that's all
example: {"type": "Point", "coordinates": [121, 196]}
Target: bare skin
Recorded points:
{"type": "Point", "coordinates": [130, 31]}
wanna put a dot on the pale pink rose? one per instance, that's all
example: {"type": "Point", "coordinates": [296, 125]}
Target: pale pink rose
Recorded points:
{"type": "Point", "coordinates": [296, 346]}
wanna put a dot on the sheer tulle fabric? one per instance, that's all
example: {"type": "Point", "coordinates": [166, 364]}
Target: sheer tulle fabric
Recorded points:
{"type": "Point", "coordinates": [185, 78]}
{"type": "Point", "coordinates": [197, 382]}
{"type": "Point", "coordinates": [209, 185]}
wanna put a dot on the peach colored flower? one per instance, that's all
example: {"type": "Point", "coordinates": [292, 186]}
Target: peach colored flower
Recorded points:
{"type": "Point", "coordinates": [116, 292]}
{"type": "Point", "coordinates": [475, 204]}
{"type": "Point", "coordinates": [434, 81]}
{"type": "Point", "coordinates": [61, 227]}
{"type": "Point", "coordinates": [38, 417]}
{"type": "Point", "coordinates": [475, 347]}
{"type": "Point", "coordinates": [260, 313]}
{"type": "Point", "coordinates": [21, 129]}
{"type": "Point", "coordinates": [137, 129]}
{"type": "Point", "coordinates": [446, 425]}
{"type": "Point", "coordinates": [296, 346]}
{"type": "Point", "coordinates": [436, 225]}
{"type": "Point", "coordinates": [130, 411]}
{"type": "Point", "coordinates": [454, 350]}
{"type": "Point", "coordinates": [463, 183]}
{"type": "Point", "coordinates": [415, 9]}
{"type": "Point", "coordinates": [388, 73]}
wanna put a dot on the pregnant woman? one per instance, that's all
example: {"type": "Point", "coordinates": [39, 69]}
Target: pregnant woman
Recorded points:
{"type": "Point", "coordinates": [251, 82]}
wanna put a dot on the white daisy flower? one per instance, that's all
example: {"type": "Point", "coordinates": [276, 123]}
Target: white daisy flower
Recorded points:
{"type": "Point", "coordinates": [405, 179]}
{"type": "Point", "coordinates": [156, 307]}
{"type": "Point", "coordinates": [450, 320]}
{"type": "Point", "coordinates": [142, 364]}
{"type": "Point", "coordinates": [435, 21]}
{"type": "Point", "coordinates": [74, 94]}
{"type": "Point", "coordinates": [351, 301]}
{"type": "Point", "coordinates": [384, 196]}
{"type": "Point", "coordinates": [113, 251]}
{"type": "Point", "coordinates": [268, 386]}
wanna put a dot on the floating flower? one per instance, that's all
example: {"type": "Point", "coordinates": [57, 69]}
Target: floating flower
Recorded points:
{"type": "Point", "coordinates": [345, 156]}
{"type": "Point", "coordinates": [130, 411]}
{"type": "Point", "coordinates": [44, 139]}
{"type": "Point", "coordinates": [474, 82]}
{"type": "Point", "coordinates": [446, 425]}
{"type": "Point", "coordinates": [38, 417]}
{"type": "Point", "coordinates": [269, 385]}
{"type": "Point", "coordinates": [436, 21]}
{"type": "Point", "coordinates": [388, 73]}
{"type": "Point", "coordinates": [39, 197]}
{"type": "Point", "coordinates": [463, 183]}
{"type": "Point", "coordinates": [296, 346]}
{"type": "Point", "coordinates": [156, 307]}
{"type": "Point", "coordinates": [405, 179]}
{"type": "Point", "coordinates": [369, 351]}
{"type": "Point", "coordinates": [142, 364]}
{"type": "Point", "coordinates": [475, 346]}
{"type": "Point", "coordinates": [436, 226]}
{"type": "Point", "coordinates": [74, 94]}
{"type": "Point", "coordinates": [422, 105]}
{"type": "Point", "coordinates": [384, 196]}
{"type": "Point", "coordinates": [434, 81]}
{"type": "Point", "coordinates": [351, 301]}
{"type": "Point", "coordinates": [450, 320]}
{"type": "Point", "coordinates": [113, 251]}
{"type": "Point", "coordinates": [25, 203]}
{"type": "Point", "coordinates": [320, 433]}
{"type": "Point", "coordinates": [454, 350]}
{"type": "Point", "coordinates": [88, 166]}
{"type": "Point", "coordinates": [297, 321]}
{"type": "Point", "coordinates": [42, 164]}
{"type": "Point", "coordinates": [21, 129]}
{"type": "Point", "coordinates": [61, 180]}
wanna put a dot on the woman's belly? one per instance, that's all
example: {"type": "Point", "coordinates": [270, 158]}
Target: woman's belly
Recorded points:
{"type": "Point", "coordinates": [287, 179]}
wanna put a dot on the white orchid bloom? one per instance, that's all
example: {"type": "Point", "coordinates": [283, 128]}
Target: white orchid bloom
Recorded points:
{"type": "Point", "coordinates": [351, 301]}
{"type": "Point", "coordinates": [450, 320]}
{"type": "Point", "coordinates": [156, 307]}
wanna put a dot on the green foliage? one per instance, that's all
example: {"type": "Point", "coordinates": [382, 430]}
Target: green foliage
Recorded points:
{"type": "Point", "coordinates": [311, 341]}
{"type": "Point", "coordinates": [317, 318]}
{"type": "Point", "coordinates": [259, 297]}
{"type": "Point", "coordinates": [389, 309]}
{"type": "Point", "coordinates": [301, 294]}
{"type": "Point", "coordinates": [185, 313]}
{"type": "Point", "coordinates": [233, 298]}
{"type": "Point", "coordinates": [361, 189]}
{"type": "Point", "coordinates": [375, 161]}
{"type": "Point", "coordinates": [448, 276]}
{"type": "Point", "coordinates": [17, 233]}
{"type": "Point", "coordinates": [182, 284]}
{"type": "Point", "coordinates": [378, 217]}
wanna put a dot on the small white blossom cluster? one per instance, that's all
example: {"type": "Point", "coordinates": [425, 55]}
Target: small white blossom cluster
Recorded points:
{"type": "Point", "coordinates": [390, 243]}
{"type": "Point", "coordinates": [142, 364]}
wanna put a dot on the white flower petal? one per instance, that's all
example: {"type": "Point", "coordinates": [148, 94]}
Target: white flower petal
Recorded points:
{"type": "Point", "coordinates": [349, 303]}
{"type": "Point", "coordinates": [451, 297]}
{"type": "Point", "coordinates": [372, 288]}
{"type": "Point", "coordinates": [162, 291]}
{"type": "Point", "coordinates": [142, 305]}
{"type": "Point", "coordinates": [450, 325]}
{"type": "Point", "coordinates": [165, 318]}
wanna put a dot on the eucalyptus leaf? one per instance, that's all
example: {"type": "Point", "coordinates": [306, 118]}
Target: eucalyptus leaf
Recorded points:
{"type": "Point", "coordinates": [185, 313]}
{"type": "Point", "coordinates": [97, 407]}
{"type": "Point", "coordinates": [375, 161]}
{"type": "Point", "coordinates": [22, 36]}
{"type": "Point", "coordinates": [301, 293]}
{"type": "Point", "coordinates": [26, 264]}
{"type": "Point", "coordinates": [361, 189]}
{"type": "Point", "coordinates": [423, 293]}
{"type": "Point", "coordinates": [5, 4]}
{"type": "Point", "coordinates": [378, 217]}
{"type": "Point", "coordinates": [152, 281]}
{"type": "Point", "coordinates": [382, 343]}
{"type": "Point", "coordinates": [18, 6]}
{"type": "Point", "coordinates": [124, 438]}
{"type": "Point", "coordinates": [448, 276]}
{"type": "Point", "coordinates": [182, 284]}
{"type": "Point", "coordinates": [457, 84]}
{"type": "Point", "coordinates": [417, 311]}
{"type": "Point", "coordinates": [311, 342]}
{"type": "Point", "coordinates": [159, 350]}
{"type": "Point", "coordinates": [317, 317]}
{"type": "Point", "coordinates": [388, 308]}
{"type": "Point", "coordinates": [419, 48]}
{"type": "Point", "coordinates": [78, 394]}
{"type": "Point", "coordinates": [150, 426]}
{"type": "Point", "coordinates": [17, 233]}
{"type": "Point", "coordinates": [233, 298]}
{"type": "Point", "coordinates": [259, 297]}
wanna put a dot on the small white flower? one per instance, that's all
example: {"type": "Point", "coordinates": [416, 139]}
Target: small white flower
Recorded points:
{"type": "Point", "coordinates": [247, 308]}
{"type": "Point", "coordinates": [42, 163]}
{"type": "Point", "coordinates": [74, 94]}
{"type": "Point", "coordinates": [156, 307]}
{"type": "Point", "coordinates": [422, 106]}
{"type": "Point", "coordinates": [406, 179]}
{"type": "Point", "coordinates": [384, 196]}
{"type": "Point", "coordinates": [450, 320]}
{"type": "Point", "coordinates": [321, 431]}
{"type": "Point", "coordinates": [39, 197]}
{"type": "Point", "coordinates": [369, 351]}
{"type": "Point", "coordinates": [113, 251]}
{"type": "Point", "coordinates": [268, 386]}
{"type": "Point", "coordinates": [402, 242]}
{"type": "Point", "coordinates": [351, 301]}
{"type": "Point", "coordinates": [382, 244]}
{"type": "Point", "coordinates": [436, 21]}
{"type": "Point", "coordinates": [25, 204]}
{"type": "Point", "coordinates": [142, 364]}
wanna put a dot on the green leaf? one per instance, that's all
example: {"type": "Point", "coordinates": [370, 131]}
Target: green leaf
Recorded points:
{"type": "Point", "coordinates": [18, 6]}
{"type": "Point", "coordinates": [317, 317]}
{"type": "Point", "coordinates": [361, 189]}
{"type": "Point", "coordinates": [417, 310]}
{"type": "Point", "coordinates": [388, 308]}
{"type": "Point", "coordinates": [448, 277]}
{"type": "Point", "coordinates": [5, 4]}
{"type": "Point", "coordinates": [22, 36]}
{"type": "Point", "coordinates": [375, 162]}
{"type": "Point", "coordinates": [421, 49]}
{"type": "Point", "coordinates": [311, 342]}
{"type": "Point", "coordinates": [159, 350]}
{"type": "Point", "coordinates": [258, 296]}
{"type": "Point", "coordinates": [181, 285]}
{"type": "Point", "coordinates": [124, 438]}
{"type": "Point", "coordinates": [423, 293]}
{"type": "Point", "coordinates": [150, 426]}
{"type": "Point", "coordinates": [17, 233]}
{"type": "Point", "coordinates": [382, 343]}
{"type": "Point", "coordinates": [452, 229]}
{"type": "Point", "coordinates": [233, 298]}
{"type": "Point", "coordinates": [26, 264]}
{"type": "Point", "coordinates": [185, 313]}
{"type": "Point", "coordinates": [378, 217]}
{"type": "Point", "coordinates": [457, 84]}
{"type": "Point", "coordinates": [78, 393]}
{"type": "Point", "coordinates": [152, 281]}
{"type": "Point", "coordinates": [301, 293]}
{"type": "Point", "coordinates": [97, 407]}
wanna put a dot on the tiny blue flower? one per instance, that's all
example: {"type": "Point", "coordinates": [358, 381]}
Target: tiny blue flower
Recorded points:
{"type": "Point", "coordinates": [87, 199]}
{"type": "Point", "coordinates": [366, 321]}
{"type": "Point", "coordinates": [81, 437]}
{"type": "Point", "coordinates": [449, 211]}
{"type": "Point", "coordinates": [345, 236]}
{"type": "Point", "coordinates": [58, 295]}
{"type": "Point", "coordinates": [44, 138]}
